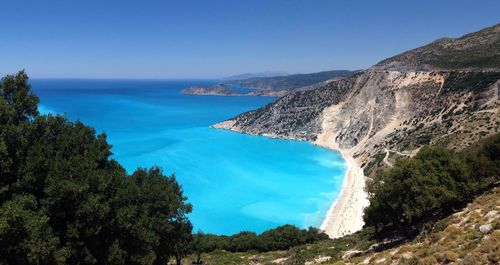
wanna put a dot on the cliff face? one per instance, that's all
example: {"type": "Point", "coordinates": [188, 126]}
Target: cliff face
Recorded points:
{"type": "Point", "coordinates": [294, 116]}
{"type": "Point", "coordinates": [385, 109]}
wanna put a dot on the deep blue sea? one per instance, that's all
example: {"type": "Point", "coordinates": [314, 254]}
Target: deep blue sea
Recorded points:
{"type": "Point", "coordinates": [235, 182]}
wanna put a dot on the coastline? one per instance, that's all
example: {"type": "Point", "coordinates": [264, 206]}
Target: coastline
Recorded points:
{"type": "Point", "coordinates": [345, 215]}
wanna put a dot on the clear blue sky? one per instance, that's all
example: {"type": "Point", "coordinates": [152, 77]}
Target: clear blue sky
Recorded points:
{"type": "Point", "coordinates": [211, 39]}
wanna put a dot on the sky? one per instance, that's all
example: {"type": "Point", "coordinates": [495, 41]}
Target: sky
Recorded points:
{"type": "Point", "coordinates": [213, 39]}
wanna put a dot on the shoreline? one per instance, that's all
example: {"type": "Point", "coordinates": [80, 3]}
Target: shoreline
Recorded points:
{"type": "Point", "coordinates": [331, 210]}
{"type": "Point", "coordinates": [345, 215]}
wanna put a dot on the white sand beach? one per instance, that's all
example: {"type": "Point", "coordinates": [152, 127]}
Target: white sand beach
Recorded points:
{"type": "Point", "coordinates": [345, 215]}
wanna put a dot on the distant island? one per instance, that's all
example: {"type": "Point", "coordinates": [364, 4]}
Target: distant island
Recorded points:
{"type": "Point", "coordinates": [217, 90]}
{"type": "Point", "coordinates": [224, 90]}
{"type": "Point", "coordinates": [274, 86]}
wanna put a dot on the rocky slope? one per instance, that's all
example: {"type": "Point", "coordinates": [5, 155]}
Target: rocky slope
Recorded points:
{"type": "Point", "coordinates": [295, 116]}
{"type": "Point", "coordinates": [375, 110]}
{"type": "Point", "coordinates": [398, 110]}
{"type": "Point", "coordinates": [470, 236]}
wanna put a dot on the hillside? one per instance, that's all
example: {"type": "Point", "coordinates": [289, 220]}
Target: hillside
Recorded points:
{"type": "Point", "coordinates": [469, 236]}
{"type": "Point", "coordinates": [285, 84]}
{"type": "Point", "coordinates": [478, 50]}
{"type": "Point", "coordinates": [376, 109]}
{"type": "Point", "coordinates": [382, 112]}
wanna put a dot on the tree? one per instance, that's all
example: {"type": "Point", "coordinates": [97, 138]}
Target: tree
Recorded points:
{"type": "Point", "coordinates": [484, 161]}
{"type": "Point", "coordinates": [25, 234]}
{"type": "Point", "coordinates": [243, 241]}
{"type": "Point", "coordinates": [430, 184]}
{"type": "Point", "coordinates": [18, 106]}
{"type": "Point", "coordinates": [64, 200]}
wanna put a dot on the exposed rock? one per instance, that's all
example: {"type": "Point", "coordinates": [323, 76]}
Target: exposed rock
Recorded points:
{"type": "Point", "coordinates": [375, 110]}
{"type": "Point", "coordinates": [491, 215]}
{"type": "Point", "coordinates": [295, 116]}
{"type": "Point", "coordinates": [485, 228]}
{"type": "Point", "coordinates": [318, 260]}
{"type": "Point", "coordinates": [279, 260]}
{"type": "Point", "coordinates": [407, 255]}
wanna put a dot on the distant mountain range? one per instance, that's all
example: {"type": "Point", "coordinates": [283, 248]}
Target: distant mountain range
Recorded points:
{"type": "Point", "coordinates": [275, 86]}
{"type": "Point", "coordinates": [285, 84]}
{"type": "Point", "coordinates": [254, 75]}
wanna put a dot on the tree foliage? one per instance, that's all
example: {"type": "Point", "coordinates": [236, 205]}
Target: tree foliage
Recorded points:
{"type": "Point", "coordinates": [63, 200]}
{"type": "Point", "coordinates": [280, 238]}
{"type": "Point", "coordinates": [432, 183]}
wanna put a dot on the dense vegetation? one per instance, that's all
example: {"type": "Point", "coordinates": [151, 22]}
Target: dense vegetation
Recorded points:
{"type": "Point", "coordinates": [431, 184]}
{"type": "Point", "coordinates": [63, 200]}
{"type": "Point", "coordinates": [280, 238]}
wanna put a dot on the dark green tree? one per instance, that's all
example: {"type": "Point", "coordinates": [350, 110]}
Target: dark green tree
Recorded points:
{"type": "Point", "coordinates": [433, 183]}
{"type": "Point", "coordinates": [64, 200]}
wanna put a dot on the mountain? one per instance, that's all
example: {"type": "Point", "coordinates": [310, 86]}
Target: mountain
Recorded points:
{"type": "Point", "coordinates": [289, 83]}
{"type": "Point", "coordinates": [478, 50]}
{"type": "Point", "coordinates": [386, 108]}
{"type": "Point", "coordinates": [444, 94]}
{"type": "Point", "coordinates": [254, 75]}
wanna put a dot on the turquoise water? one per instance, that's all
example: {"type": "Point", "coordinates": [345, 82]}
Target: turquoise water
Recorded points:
{"type": "Point", "coordinates": [234, 181]}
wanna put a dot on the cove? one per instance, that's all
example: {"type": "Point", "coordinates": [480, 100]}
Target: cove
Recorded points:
{"type": "Point", "coordinates": [235, 182]}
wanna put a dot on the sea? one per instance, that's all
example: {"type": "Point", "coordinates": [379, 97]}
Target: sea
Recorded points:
{"type": "Point", "coordinates": [235, 182]}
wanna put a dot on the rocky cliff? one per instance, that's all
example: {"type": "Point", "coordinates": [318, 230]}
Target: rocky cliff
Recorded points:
{"type": "Point", "coordinates": [402, 103]}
